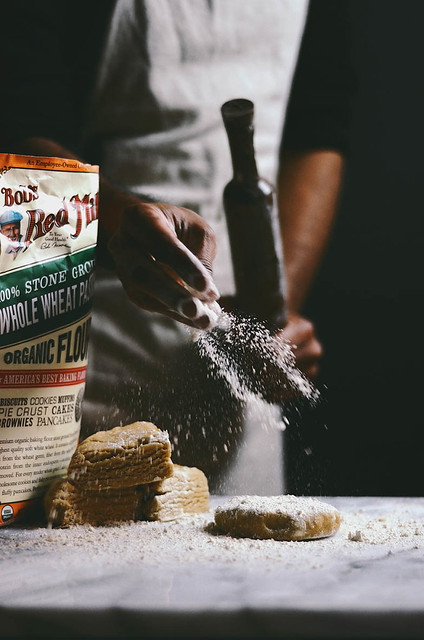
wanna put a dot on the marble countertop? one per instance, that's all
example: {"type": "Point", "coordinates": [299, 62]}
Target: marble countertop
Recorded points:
{"type": "Point", "coordinates": [182, 580]}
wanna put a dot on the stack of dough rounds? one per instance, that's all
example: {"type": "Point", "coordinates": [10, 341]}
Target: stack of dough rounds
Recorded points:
{"type": "Point", "coordinates": [124, 474]}
{"type": "Point", "coordinates": [284, 517]}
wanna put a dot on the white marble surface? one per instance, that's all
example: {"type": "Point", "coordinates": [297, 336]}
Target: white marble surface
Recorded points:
{"type": "Point", "coordinates": [182, 580]}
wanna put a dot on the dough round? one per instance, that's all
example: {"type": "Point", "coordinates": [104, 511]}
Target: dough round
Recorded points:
{"type": "Point", "coordinates": [283, 517]}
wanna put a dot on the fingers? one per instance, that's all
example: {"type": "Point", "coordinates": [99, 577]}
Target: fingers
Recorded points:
{"type": "Point", "coordinates": [194, 233]}
{"type": "Point", "coordinates": [308, 352]}
{"type": "Point", "coordinates": [156, 230]}
{"type": "Point", "coordinates": [151, 287]}
{"type": "Point", "coordinates": [206, 318]}
{"type": "Point", "coordinates": [307, 349]}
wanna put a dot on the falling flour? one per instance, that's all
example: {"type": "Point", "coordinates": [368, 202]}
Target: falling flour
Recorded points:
{"type": "Point", "coordinates": [211, 393]}
{"type": "Point", "coordinates": [254, 363]}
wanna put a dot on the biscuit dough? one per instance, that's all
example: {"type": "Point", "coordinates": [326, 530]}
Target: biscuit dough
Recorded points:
{"type": "Point", "coordinates": [284, 517]}
{"type": "Point", "coordinates": [125, 474]}
{"type": "Point", "coordinates": [184, 493]}
{"type": "Point", "coordinates": [65, 505]}
{"type": "Point", "coordinates": [137, 453]}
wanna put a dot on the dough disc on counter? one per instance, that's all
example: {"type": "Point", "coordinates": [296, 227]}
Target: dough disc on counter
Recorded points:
{"type": "Point", "coordinates": [284, 517]}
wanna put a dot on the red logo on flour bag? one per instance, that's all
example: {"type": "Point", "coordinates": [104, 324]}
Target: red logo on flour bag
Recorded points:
{"type": "Point", "coordinates": [48, 235]}
{"type": "Point", "coordinates": [41, 223]}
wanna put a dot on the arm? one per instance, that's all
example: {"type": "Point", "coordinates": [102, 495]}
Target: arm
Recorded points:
{"type": "Point", "coordinates": [312, 152]}
{"type": "Point", "coordinates": [308, 189]}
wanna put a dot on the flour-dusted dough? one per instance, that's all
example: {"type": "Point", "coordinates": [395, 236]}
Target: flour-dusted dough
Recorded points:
{"type": "Point", "coordinates": [66, 505]}
{"type": "Point", "coordinates": [124, 474]}
{"type": "Point", "coordinates": [284, 517]}
{"type": "Point", "coordinates": [186, 492]}
{"type": "Point", "coordinates": [137, 453]}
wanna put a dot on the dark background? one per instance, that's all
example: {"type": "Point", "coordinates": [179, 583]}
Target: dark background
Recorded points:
{"type": "Point", "coordinates": [365, 437]}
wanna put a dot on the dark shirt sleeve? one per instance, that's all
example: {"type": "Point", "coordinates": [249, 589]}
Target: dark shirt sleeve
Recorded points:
{"type": "Point", "coordinates": [323, 88]}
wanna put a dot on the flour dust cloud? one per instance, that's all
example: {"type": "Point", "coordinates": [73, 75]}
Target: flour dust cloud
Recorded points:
{"type": "Point", "coordinates": [253, 363]}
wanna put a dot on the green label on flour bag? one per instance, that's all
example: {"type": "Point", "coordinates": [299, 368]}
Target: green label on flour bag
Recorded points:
{"type": "Point", "coordinates": [48, 235]}
{"type": "Point", "coordinates": [50, 295]}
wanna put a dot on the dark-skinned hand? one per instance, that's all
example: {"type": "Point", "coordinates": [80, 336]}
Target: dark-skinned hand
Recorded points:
{"type": "Point", "coordinates": [163, 256]}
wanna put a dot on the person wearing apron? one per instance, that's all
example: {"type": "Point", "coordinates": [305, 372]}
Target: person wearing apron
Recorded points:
{"type": "Point", "coordinates": [154, 125]}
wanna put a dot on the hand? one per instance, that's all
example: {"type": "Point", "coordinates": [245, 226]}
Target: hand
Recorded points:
{"type": "Point", "coordinates": [270, 379]}
{"type": "Point", "coordinates": [299, 335]}
{"type": "Point", "coordinates": [306, 348]}
{"type": "Point", "coordinates": [299, 332]}
{"type": "Point", "coordinates": [163, 256]}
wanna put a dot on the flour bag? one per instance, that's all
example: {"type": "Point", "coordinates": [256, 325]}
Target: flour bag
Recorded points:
{"type": "Point", "coordinates": [48, 235]}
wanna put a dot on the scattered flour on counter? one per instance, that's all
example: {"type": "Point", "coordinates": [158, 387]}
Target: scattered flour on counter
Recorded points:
{"type": "Point", "coordinates": [192, 540]}
{"type": "Point", "coordinates": [355, 537]}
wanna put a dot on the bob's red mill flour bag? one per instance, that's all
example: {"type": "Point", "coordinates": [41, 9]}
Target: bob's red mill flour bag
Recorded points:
{"type": "Point", "coordinates": [48, 235]}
